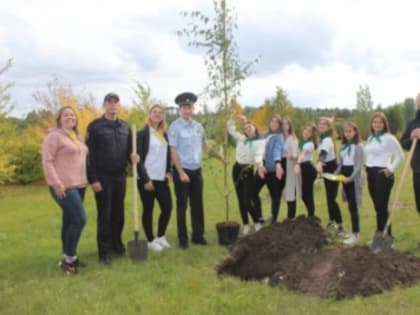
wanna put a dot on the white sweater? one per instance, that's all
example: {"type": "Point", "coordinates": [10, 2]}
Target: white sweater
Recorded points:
{"type": "Point", "coordinates": [387, 153]}
{"type": "Point", "coordinates": [246, 152]}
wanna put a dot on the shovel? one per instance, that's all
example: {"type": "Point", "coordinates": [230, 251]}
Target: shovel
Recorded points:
{"type": "Point", "coordinates": [334, 177]}
{"type": "Point", "coordinates": [383, 242]}
{"type": "Point", "coordinates": [136, 249]}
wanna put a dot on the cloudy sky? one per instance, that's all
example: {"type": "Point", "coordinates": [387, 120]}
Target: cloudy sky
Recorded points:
{"type": "Point", "coordinates": [318, 51]}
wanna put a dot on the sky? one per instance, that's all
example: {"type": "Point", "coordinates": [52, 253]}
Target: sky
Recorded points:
{"type": "Point", "coordinates": [319, 52]}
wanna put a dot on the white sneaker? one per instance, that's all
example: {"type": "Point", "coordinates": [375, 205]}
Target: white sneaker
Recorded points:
{"type": "Point", "coordinates": [163, 242]}
{"type": "Point", "coordinates": [155, 246]}
{"type": "Point", "coordinates": [350, 240]}
{"type": "Point", "coordinates": [245, 230]}
{"type": "Point", "coordinates": [258, 227]}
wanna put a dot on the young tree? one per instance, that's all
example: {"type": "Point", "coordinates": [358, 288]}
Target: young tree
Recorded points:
{"type": "Point", "coordinates": [56, 96]}
{"type": "Point", "coordinates": [225, 72]}
{"type": "Point", "coordinates": [364, 108]}
{"type": "Point", "coordinates": [364, 99]}
{"type": "Point", "coordinates": [142, 102]}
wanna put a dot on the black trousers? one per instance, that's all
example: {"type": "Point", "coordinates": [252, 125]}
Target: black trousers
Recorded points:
{"type": "Point", "coordinates": [379, 187]}
{"type": "Point", "coordinates": [274, 186]}
{"type": "Point", "coordinates": [110, 206]}
{"type": "Point", "coordinates": [162, 194]}
{"type": "Point", "coordinates": [194, 192]}
{"type": "Point", "coordinates": [243, 180]}
{"type": "Point", "coordinates": [331, 190]}
{"type": "Point", "coordinates": [309, 174]}
{"type": "Point", "coordinates": [416, 185]}
{"type": "Point", "coordinates": [350, 192]}
{"type": "Point", "coordinates": [291, 209]}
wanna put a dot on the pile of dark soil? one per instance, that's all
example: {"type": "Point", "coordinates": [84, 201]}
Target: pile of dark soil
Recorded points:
{"type": "Point", "coordinates": [294, 253]}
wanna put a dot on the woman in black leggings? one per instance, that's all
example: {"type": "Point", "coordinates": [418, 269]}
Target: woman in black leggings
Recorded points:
{"type": "Point", "coordinates": [305, 167]}
{"type": "Point", "coordinates": [380, 147]}
{"type": "Point", "coordinates": [327, 163]}
{"type": "Point", "coordinates": [153, 170]}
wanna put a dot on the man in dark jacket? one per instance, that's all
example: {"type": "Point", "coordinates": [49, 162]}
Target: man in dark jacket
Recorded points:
{"type": "Point", "coordinates": [109, 143]}
{"type": "Point", "coordinates": [413, 131]}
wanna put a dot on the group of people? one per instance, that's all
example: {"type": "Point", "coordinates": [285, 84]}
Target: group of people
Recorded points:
{"type": "Point", "coordinates": [287, 166]}
{"type": "Point", "coordinates": [276, 159]}
{"type": "Point", "coordinates": [70, 163]}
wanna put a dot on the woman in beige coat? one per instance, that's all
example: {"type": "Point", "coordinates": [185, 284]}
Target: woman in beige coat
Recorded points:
{"type": "Point", "coordinates": [292, 189]}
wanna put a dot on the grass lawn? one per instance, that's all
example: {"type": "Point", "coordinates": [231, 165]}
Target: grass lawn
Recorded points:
{"type": "Point", "coordinates": [174, 281]}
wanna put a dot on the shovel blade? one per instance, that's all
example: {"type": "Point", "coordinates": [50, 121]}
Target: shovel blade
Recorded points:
{"type": "Point", "coordinates": [137, 250]}
{"type": "Point", "coordinates": [382, 243]}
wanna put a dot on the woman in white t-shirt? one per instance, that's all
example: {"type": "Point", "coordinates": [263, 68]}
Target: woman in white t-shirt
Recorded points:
{"type": "Point", "coordinates": [154, 170]}
{"type": "Point", "coordinates": [327, 163]}
{"type": "Point", "coordinates": [383, 155]}
{"type": "Point", "coordinates": [305, 167]}
{"type": "Point", "coordinates": [249, 152]}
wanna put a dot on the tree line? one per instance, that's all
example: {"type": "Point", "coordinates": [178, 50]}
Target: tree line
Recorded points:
{"type": "Point", "coordinates": [21, 138]}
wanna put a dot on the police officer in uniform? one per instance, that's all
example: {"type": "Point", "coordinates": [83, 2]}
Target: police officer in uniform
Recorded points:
{"type": "Point", "coordinates": [413, 132]}
{"type": "Point", "coordinates": [187, 140]}
{"type": "Point", "coordinates": [109, 143]}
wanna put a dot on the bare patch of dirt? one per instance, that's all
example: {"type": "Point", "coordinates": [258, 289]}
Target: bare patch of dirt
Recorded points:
{"type": "Point", "coordinates": [295, 253]}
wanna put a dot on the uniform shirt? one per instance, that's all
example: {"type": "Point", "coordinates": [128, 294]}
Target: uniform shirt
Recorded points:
{"type": "Point", "coordinates": [379, 153]}
{"type": "Point", "coordinates": [327, 145]}
{"type": "Point", "coordinates": [347, 155]}
{"type": "Point", "coordinates": [109, 144]}
{"type": "Point", "coordinates": [156, 157]}
{"type": "Point", "coordinates": [188, 139]}
{"type": "Point", "coordinates": [406, 142]}
{"type": "Point", "coordinates": [247, 152]}
{"type": "Point", "coordinates": [309, 147]}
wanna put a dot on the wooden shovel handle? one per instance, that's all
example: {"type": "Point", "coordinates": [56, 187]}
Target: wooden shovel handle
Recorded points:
{"type": "Point", "coordinates": [400, 185]}
{"type": "Point", "coordinates": [135, 206]}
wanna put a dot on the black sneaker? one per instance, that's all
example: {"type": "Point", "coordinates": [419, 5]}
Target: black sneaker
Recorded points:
{"type": "Point", "coordinates": [68, 267]}
{"type": "Point", "coordinates": [201, 241]}
{"type": "Point", "coordinates": [183, 245]}
{"type": "Point", "coordinates": [119, 251]}
{"type": "Point", "coordinates": [105, 260]}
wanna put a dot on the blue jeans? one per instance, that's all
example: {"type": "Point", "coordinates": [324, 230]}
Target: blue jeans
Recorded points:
{"type": "Point", "coordinates": [74, 218]}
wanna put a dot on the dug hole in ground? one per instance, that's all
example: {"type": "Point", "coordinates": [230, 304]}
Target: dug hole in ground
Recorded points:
{"type": "Point", "coordinates": [295, 253]}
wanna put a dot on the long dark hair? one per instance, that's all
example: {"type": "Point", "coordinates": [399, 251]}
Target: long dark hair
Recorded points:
{"type": "Point", "coordinates": [356, 138]}
{"type": "Point", "coordinates": [60, 113]}
{"type": "Point", "coordinates": [384, 120]}
{"type": "Point", "coordinates": [291, 128]}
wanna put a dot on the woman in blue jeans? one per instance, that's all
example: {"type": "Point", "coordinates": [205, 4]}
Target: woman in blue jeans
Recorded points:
{"type": "Point", "coordinates": [64, 164]}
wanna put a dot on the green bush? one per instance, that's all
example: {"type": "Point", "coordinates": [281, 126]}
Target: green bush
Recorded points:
{"type": "Point", "coordinates": [26, 164]}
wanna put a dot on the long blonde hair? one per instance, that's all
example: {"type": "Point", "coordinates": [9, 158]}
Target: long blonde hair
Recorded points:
{"type": "Point", "coordinates": [162, 124]}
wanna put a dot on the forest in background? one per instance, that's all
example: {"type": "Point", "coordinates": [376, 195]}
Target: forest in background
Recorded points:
{"type": "Point", "coordinates": [21, 138]}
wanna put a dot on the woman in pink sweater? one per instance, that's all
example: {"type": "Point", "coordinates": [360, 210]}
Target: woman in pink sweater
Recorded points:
{"type": "Point", "coordinates": [64, 163]}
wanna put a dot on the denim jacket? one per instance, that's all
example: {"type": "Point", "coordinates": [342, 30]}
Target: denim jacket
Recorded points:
{"type": "Point", "coordinates": [273, 151]}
